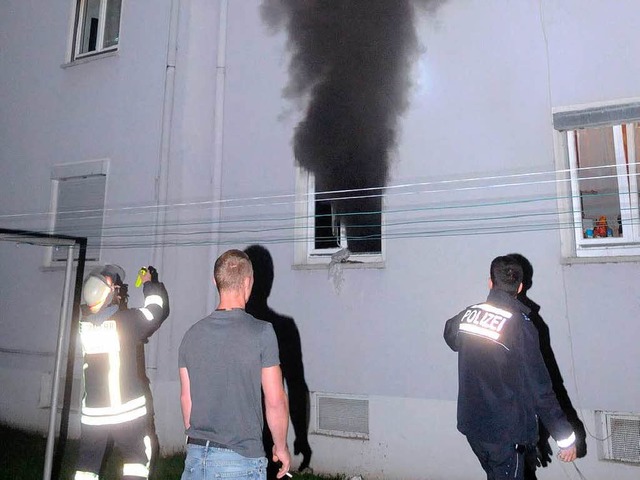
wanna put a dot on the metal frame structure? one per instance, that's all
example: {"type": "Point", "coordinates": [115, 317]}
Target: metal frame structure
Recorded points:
{"type": "Point", "coordinates": [50, 240]}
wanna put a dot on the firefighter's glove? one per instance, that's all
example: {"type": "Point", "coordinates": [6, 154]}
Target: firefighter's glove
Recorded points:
{"type": "Point", "coordinates": [154, 274]}
{"type": "Point", "coordinates": [544, 454]}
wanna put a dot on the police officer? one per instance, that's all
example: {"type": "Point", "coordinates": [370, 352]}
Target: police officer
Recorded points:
{"type": "Point", "coordinates": [114, 406]}
{"type": "Point", "coordinates": [504, 385]}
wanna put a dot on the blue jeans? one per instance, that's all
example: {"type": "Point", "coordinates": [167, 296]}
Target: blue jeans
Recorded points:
{"type": "Point", "coordinates": [207, 463]}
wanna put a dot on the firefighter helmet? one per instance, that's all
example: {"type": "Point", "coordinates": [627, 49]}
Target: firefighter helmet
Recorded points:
{"type": "Point", "coordinates": [99, 288]}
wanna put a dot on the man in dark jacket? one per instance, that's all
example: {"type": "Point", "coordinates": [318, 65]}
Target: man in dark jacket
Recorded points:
{"type": "Point", "coordinates": [504, 385]}
{"type": "Point", "coordinates": [114, 406]}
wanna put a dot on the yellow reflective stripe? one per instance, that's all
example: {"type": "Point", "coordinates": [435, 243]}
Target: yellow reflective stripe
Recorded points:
{"type": "Point", "coordinates": [490, 308]}
{"type": "Point", "coordinates": [138, 469]}
{"type": "Point", "coordinates": [153, 300]}
{"type": "Point", "coordinates": [115, 409]}
{"type": "Point", "coordinates": [567, 442]}
{"type": "Point", "coordinates": [147, 314]}
{"type": "Point", "coordinates": [476, 330]}
{"type": "Point", "coordinates": [85, 476]}
{"type": "Point", "coordinates": [135, 470]}
{"type": "Point", "coordinates": [114, 419]}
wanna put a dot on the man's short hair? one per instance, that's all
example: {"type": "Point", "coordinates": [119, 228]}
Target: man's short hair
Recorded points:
{"type": "Point", "coordinates": [230, 270]}
{"type": "Point", "coordinates": [506, 274]}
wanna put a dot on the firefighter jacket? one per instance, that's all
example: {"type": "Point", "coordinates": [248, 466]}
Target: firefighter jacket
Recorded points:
{"type": "Point", "coordinates": [504, 385]}
{"type": "Point", "coordinates": [114, 392]}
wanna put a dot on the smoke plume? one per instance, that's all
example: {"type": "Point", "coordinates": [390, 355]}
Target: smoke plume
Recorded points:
{"type": "Point", "coordinates": [350, 62]}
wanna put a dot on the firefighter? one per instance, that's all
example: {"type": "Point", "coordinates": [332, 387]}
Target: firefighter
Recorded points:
{"type": "Point", "coordinates": [114, 406]}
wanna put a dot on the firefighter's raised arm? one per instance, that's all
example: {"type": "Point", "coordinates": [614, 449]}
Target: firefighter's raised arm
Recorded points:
{"type": "Point", "coordinates": [156, 301]}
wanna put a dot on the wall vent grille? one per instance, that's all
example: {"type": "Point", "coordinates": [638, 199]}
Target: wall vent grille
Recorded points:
{"type": "Point", "coordinates": [341, 415]}
{"type": "Point", "coordinates": [621, 433]}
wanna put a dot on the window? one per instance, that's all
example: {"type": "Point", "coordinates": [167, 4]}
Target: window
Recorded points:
{"type": "Point", "coordinates": [602, 146]}
{"type": "Point", "coordinates": [78, 198]}
{"type": "Point", "coordinates": [96, 27]}
{"type": "Point", "coordinates": [329, 223]}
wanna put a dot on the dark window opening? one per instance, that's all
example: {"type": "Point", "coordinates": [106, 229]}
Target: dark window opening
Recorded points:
{"type": "Point", "coordinates": [364, 226]}
{"type": "Point", "coordinates": [361, 232]}
{"type": "Point", "coordinates": [93, 35]}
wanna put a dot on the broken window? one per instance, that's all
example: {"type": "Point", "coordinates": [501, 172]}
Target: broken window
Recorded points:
{"type": "Point", "coordinates": [349, 223]}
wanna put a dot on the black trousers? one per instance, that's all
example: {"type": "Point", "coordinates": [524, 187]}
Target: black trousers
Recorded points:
{"type": "Point", "coordinates": [130, 438]}
{"type": "Point", "coordinates": [500, 461]}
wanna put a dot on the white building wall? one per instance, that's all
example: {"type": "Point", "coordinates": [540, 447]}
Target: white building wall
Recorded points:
{"type": "Point", "coordinates": [485, 89]}
{"type": "Point", "coordinates": [491, 72]}
{"type": "Point", "coordinates": [59, 113]}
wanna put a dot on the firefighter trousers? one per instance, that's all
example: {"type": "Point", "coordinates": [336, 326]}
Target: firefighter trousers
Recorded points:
{"type": "Point", "coordinates": [130, 438]}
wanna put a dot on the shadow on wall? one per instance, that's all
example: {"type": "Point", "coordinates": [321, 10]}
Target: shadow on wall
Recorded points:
{"type": "Point", "coordinates": [544, 453]}
{"type": "Point", "coordinates": [290, 356]}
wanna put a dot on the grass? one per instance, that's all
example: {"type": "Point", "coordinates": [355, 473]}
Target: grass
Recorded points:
{"type": "Point", "coordinates": [22, 457]}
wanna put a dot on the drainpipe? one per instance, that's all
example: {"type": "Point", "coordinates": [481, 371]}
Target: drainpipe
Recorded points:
{"type": "Point", "coordinates": [162, 177]}
{"type": "Point", "coordinates": [221, 71]}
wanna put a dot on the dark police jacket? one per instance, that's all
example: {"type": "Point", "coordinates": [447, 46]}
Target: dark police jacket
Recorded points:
{"type": "Point", "coordinates": [113, 389]}
{"type": "Point", "coordinates": [504, 384]}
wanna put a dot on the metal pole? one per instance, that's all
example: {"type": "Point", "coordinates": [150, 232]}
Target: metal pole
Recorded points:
{"type": "Point", "coordinates": [48, 462]}
{"type": "Point", "coordinates": [72, 330]}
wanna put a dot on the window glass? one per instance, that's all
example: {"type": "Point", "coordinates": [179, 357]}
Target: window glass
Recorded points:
{"type": "Point", "coordinates": [598, 182]}
{"type": "Point", "coordinates": [90, 24]}
{"type": "Point", "coordinates": [112, 23]}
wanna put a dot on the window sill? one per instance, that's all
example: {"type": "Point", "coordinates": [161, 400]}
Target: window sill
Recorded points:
{"type": "Point", "coordinates": [90, 58]}
{"type": "Point", "coordinates": [599, 260]}
{"type": "Point", "coordinates": [349, 265]}
{"type": "Point", "coordinates": [61, 268]}
{"type": "Point", "coordinates": [49, 265]}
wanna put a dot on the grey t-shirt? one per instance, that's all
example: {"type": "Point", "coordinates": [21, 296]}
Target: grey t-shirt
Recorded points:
{"type": "Point", "coordinates": [224, 355]}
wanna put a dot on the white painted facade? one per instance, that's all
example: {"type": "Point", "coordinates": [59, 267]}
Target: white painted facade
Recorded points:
{"type": "Point", "coordinates": [490, 76]}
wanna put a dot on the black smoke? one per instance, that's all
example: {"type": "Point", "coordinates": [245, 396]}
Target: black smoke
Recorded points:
{"type": "Point", "coordinates": [350, 63]}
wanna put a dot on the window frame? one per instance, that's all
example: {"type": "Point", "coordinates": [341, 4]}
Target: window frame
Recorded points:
{"type": "Point", "coordinates": [62, 172]}
{"type": "Point", "coordinates": [78, 28]}
{"type": "Point", "coordinates": [621, 117]}
{"type": "Point", "coordinates": [305, 252]}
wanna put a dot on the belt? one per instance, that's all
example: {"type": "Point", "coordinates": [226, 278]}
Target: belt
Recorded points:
{"type": "Point", "coordinates": [205, 443]}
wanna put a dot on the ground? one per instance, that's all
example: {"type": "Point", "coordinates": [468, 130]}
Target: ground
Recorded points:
{"type": "Point", "coordinates": [23, 455]}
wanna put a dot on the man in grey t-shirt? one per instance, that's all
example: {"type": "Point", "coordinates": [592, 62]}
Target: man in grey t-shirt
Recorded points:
{"type": "Point", "coordinates": [226, 361]}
